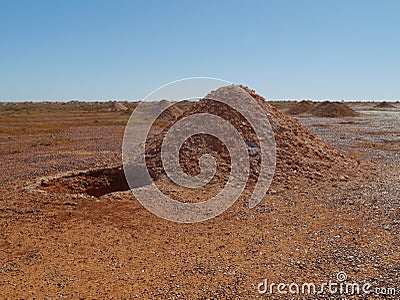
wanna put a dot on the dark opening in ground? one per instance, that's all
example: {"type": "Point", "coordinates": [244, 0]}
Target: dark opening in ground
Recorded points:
{"type": "Point", "coordinates": [94, 182]}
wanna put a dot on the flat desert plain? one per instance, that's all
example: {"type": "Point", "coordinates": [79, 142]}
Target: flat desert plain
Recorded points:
{"type": "Point", "coordinates": [70, 228]}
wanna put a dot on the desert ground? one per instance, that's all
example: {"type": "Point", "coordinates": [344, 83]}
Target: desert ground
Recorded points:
{"type": "Point", "coordinates": [67, 235]}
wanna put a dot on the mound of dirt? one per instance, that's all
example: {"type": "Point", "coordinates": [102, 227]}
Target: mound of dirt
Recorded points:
{"type": "Point", "coordinates": [385, 104]}
{"type": "Point", "coordinates": [170, 113]}
{"type": "Point", "coordinates": [116, 106]}
{"type": "Point", "coordinates": [332, 110]}
{"type": "Point", "coordinates": [301, 157]}
{"type": "Point", "coordinates": [300, 153]}
{"type": "Point", "coordinates": [301, 107]}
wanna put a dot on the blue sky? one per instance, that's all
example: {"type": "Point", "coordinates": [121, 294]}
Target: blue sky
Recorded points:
{"type": "Point", "coordinates": [86, 49]}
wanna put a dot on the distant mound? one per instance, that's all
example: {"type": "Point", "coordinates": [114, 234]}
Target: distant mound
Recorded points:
{"type": "Point", "coordinates": [170, 113]}
{"type": "Point", "coordinates": [184, 105]}
{"type": "Point", "coordinates": [116, 106]}
{"type": "Point", "coordinates": [301, 107]}
{"type": "Point", "coordinates": [385, 104]}
{"type": "Point", "coordinates": [332, 110]}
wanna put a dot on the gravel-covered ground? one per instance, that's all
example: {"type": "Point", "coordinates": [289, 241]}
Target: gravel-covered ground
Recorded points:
{"type": "Point", "coordinates": [66, 246]}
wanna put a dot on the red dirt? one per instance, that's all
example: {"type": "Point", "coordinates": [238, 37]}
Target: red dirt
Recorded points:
{"type": "Point", "coordinates": [94, 183]}
{"type": "Point", "coordinates": [333, 110]}
{"type": "Point", "coordinates": [301, 155]}
{"type": "Point", "coordinates": [169, 114]}
{"type": "Point", "coordinates": [300, 107]}
{"type": "Point", "coordinates": [55, 246]}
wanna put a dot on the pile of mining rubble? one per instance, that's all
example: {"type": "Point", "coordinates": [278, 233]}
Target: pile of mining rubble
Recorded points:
{"type": "Point", "coordinates": [385, 104]}
{"type": "Point", "coordinates": [328, 109]}
{"type": "Point", "coordinates": [170, 113]}
{"type": "Point", "coordinates": [116, 106]}
{"type": "Point", "coordinates": [301, 157]}
{"type": "Point", "coordinates": [300, 153]}
{"type": "Point", "coordinates": [301, 107]}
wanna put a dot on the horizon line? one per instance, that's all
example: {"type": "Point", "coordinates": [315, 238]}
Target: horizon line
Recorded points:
{"type": "Point", "coordinates": [139, 100]}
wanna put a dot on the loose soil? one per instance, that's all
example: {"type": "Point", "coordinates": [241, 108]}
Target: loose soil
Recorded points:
{"type": "Point", "coordinates": [309, 227]}
{"type": "Point", "coordinates": [332, 110]}
{"type": "Point", "coordinates": [385, 105]}
{"type": "Point", "coordinates": [301, 107]}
